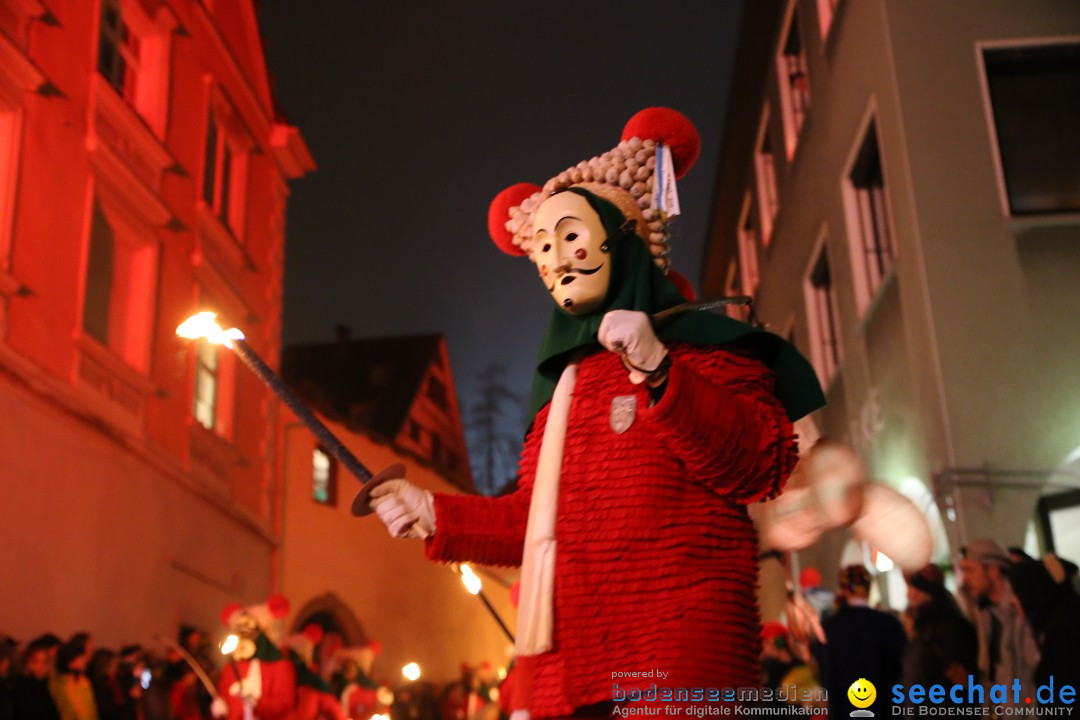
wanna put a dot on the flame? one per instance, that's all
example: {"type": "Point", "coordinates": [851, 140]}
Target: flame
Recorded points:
{"type": "Point", "coordinates": [230, 643]}
{"type": "Point", "coordinates": [470, 579]}
{"type": "Point", "coordinates": [204, 326]}
{"type": "Point", "coordinates": [411, 671]}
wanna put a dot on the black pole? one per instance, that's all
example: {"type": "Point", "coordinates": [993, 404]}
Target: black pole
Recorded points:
{"type": "Point", "coordinates": [494, 614]}
{"type": "Point", "coordinates": [326, 439]}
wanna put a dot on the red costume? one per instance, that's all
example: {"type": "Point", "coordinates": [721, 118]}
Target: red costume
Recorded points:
{"type": "Point", "coordinates": [278, 689]}
{"type": "Point", "coordinates": [313, 703]}
{"type": "Point", "coordinates": [657, 558]}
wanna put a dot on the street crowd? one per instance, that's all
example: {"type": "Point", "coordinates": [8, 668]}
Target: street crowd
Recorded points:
{"type": "Point", "coordinates": [1013, 618]}
{"type": "Point", "coordinates": [48, 678]}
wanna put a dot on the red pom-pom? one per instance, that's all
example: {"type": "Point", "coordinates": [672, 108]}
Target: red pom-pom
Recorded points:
{"type": "Point", "coordinates": [227, 612]}
{"type": "Point", "coordinates": [670, 127]}
{"type": "Point", "coordinates": [682, 285]}
{"type": "Point", "coordinates": [278, 606]}
{"type": "Point", "coordinates": [515, 593]}
{"type": "Point", "coordinates": [810, 578]}
{"type": "Point", "coordinates": [376, 647]}
{"type": "Point", "coordinates": [499, 213]}
{"type": "Point", "coordinates": [771, 630]}
{"type": "Point", "coordinates": [313, 632]}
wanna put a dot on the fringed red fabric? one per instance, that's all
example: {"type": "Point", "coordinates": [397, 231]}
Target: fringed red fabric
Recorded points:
{"type": "Point", "coordinates": [656, 566]}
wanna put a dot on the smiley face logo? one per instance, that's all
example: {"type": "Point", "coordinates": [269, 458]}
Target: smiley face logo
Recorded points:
{"type": "Point", "coordinates": [862, 693]}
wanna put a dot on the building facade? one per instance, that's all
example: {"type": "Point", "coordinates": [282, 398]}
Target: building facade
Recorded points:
{"type": "Point", "coordinates": [390, 401]}
{"type": "Point", "coordinates": [899, 192]}
{"type": "Point", "coordinates": [143, 176]}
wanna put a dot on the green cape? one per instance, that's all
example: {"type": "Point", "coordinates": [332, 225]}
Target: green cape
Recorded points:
{"type": "Point", "coordinates": [305, 676]}
{"type": "Point", "coordinates": [638, 284]}
{"type": "Point", "coordinates": [265, 649]}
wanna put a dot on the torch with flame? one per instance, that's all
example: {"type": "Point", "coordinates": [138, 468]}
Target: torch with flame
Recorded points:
{"type": "Point", "coordinates": [475, 587]}
{"type": "Point", "coordinates": [204, 326]}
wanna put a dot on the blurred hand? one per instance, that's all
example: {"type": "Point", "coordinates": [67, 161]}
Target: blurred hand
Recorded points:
{"type": "Point", "coordinates": [629, 334]}
{"type": "Point", "coordinates": [406, 510]}
{"type": "Point", "coordinates": [219, 708]}
{"type": "Point", "coordinates": [246, 690]}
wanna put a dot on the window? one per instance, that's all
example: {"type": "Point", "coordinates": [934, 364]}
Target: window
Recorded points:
{"type": "Point", "coordinates": [765, 170]}
{"type": "Point", "coordinates": [206, 384]}
{"type": "Point", "coordinates": [868, 217]}
{"type": "Point", "coordinates": [823, 317]}
{"type": "Point", "coordinates": [748, 259]}
{"type": "Point", "coordinates": [133, 57]}
{"type": "Point", "coordinates": [1035, 100]}
{"type": "Point", "coordinates": [118, 297]}
{"type": "Point", "coordinates": [826, 12]}
{"type": "Point", "coordinates": [225, 173]}
{"type": "Point", "coordinates": [794, 83]}
{"type": "Point", "coordinates": [214, 387]}
{"type": "Point", "coordinates": [118, 50]}
{"type": "Point", "coordinates": [436, 391]}
{"type": "Point", "coordinates": [733, 286]}
{"type": "Point", "coordinates": [10, 125]}
{"type": "Point", "coordinates": [323, 477]}
{"type": "Point", "coordinates": [436, 449]}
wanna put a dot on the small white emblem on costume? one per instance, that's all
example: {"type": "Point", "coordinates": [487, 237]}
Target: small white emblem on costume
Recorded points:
{"type": "Point", "coordinates": [623, 410]}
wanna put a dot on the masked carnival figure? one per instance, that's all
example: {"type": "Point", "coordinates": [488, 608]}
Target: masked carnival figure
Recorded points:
{"type": "Point", "coordinates": [258, 682]}
{"type": "Point", "coordinates": [650, 437]}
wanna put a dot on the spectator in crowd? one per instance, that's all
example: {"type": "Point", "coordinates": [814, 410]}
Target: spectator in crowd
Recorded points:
{"type": "Point", "coordinates": [70, 687]}
{"type": "Point", "coordinates": [783, 672]}
{"type": "Point", "coordinates": [1052, 609]}
{"type": "Point", "coordinates": [943, 646]}
{"type": "Point", "coordinates": [7, 652]}
{"type": "Point", "coordinates": [817, 596]}
{"type": "Point", "coordinates": [860, 642]}
{"type": "Point", "coordinates": [1007, 647]}
{"type": "Point", "coordinates": [31, 697]}
{"type": "Point", "coordinates": [154, 703]}
{"type": "Point", "coordinates": [108, 697]}
{"type": "Point", "coordinates": [51, 645]}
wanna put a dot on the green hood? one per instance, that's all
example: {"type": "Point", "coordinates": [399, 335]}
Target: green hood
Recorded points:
{"type": "Point", "coordinates": [638, 284]}
{"type": "Point", "coordinates": [265, 649]}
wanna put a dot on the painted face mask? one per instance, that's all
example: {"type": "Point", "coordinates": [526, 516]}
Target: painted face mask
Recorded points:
{"type": "Point", "coordinates": [570, 252]}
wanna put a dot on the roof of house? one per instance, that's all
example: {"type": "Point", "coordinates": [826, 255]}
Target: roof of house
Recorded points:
{"type": "Point", "coordinates": [367, 385]}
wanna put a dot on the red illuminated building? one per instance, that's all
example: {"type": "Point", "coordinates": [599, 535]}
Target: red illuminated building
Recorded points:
{"type": "Point", "coordinates": [143, 176]}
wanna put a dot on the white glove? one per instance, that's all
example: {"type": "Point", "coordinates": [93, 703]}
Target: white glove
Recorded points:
{"type": "Point", "coordinates": [219, 708]}
{"type": "Point", "coordinates": [246, 690]}
{"type": "Point", "coordinates": [629, 334]}
{"type": "Point", "coordinates": [406, 510]}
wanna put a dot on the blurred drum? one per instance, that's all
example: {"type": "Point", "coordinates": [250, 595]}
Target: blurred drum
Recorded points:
{"type": "Point", "coordinates": [895, 526]}
{"type": "Point", "coordinates": [824, 491]}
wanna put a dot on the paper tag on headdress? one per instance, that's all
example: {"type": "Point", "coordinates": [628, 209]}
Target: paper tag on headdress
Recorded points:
{"type": "Point", "coordinates": [667, 195]}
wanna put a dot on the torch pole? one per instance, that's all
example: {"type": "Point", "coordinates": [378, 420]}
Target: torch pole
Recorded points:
{"type": "Point", "coordinates": [495, 614]}
{"type": "Point", "coordinates": [195, 666]}
{"type": "Point", "coordinates": [326, 438]}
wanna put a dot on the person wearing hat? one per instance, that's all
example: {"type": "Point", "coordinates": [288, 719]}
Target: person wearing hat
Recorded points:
{"type": "Point", "coordinates": [943, 646]}
{"type": "Point", "coordinates": [860, 642]}
{"type": "Point", "coordinates": [314, 697]}
{"type": "Point", "coordinates": [258, 681]}
{"type": "Point", "coordinates": [1007, 648]}
{"type": "Point", "coordinates": [783, 671]}
{"type": "Point", "coordinates": [1052, 608]}
{"type": "Point", "coordinates": [649, 439]}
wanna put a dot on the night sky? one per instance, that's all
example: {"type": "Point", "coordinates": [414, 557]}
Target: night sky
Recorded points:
{"type": "Point", "coordinates": [418, 113]}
